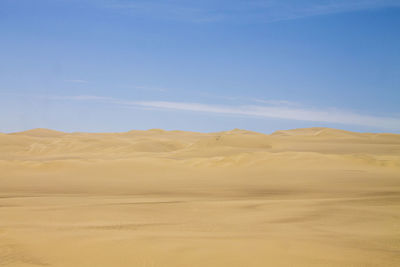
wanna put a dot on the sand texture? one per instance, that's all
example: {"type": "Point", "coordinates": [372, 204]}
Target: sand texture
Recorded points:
{"type": "Point", "coordinates": [304, 197]}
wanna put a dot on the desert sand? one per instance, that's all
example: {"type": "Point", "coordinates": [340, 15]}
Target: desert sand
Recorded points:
{"type": "Point", "coordinates": [303, 197]}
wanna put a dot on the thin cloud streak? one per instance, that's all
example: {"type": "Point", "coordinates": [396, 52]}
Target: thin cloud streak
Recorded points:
{"type": "Point", "coordinates": [274, 110]}
{"type": "Point", "coordinates": [78, 97]}
{"type": "Point", "coordinates": [289, 10]}
{"type": "Point", "coordinates": [169, 11]}
{"type": "Point", "coordinates": [243, 11]}
{"type": "Point", "coordinates": [327, 116]}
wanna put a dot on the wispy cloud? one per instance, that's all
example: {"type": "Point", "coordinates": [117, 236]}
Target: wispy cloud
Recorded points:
{"type": "Point", "coordinates": [292, 9]}
{"type": "Point", "coordinates": [78, 97]}
{"type": "Point", "coordinates": [171, 10]}
{"type": "Point", "coordinates": [242, 10]}
{"type": "Point", "coordinates": [275, 110]}
{"type": "Point", "coordinates": [284, 112]}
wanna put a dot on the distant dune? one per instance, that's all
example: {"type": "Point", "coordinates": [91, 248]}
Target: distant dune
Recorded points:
{"type": "Point", "coordinates": [40, 132]}
{"type": "Point", "coordinates": [302, 197]}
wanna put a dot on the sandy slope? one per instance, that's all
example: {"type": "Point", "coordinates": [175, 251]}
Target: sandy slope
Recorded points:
{"type": "Point", "coordinates": [304, 197]}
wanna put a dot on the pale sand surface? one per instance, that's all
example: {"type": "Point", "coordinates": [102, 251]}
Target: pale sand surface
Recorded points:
{"type": "Point", "coordinates": [306, 197]}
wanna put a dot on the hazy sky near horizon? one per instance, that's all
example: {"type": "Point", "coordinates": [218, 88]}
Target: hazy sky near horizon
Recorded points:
{"type": "Point", "coordinates": [263, 65]}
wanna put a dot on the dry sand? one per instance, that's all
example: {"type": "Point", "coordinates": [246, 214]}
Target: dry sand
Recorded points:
{"type": "Point", "coordinates": [304, 197]}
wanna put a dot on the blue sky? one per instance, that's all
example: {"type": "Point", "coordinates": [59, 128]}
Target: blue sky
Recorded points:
{"type": "Point", "coordinates": [263, 65]}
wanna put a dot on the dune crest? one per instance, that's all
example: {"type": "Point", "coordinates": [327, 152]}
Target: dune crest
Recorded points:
{"type": "Point", "coordinates": [41, 132]}
{"type": "Point", "coordinates": [316, 131]}
{"type": "Point", "coordinates": [44, 143]}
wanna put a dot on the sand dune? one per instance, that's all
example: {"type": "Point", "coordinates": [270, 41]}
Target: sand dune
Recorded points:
{"type": "Point", "coordinates": [40, 132]}
{"type": "Point", "coordinates": [302, 197]}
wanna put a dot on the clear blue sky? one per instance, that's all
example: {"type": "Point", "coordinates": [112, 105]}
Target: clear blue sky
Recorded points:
{"type": "Point", "coordinates": [263, 65]}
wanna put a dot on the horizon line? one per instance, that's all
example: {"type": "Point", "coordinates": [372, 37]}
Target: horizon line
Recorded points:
{"type": "Point", "coordinates": [177, 130]}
